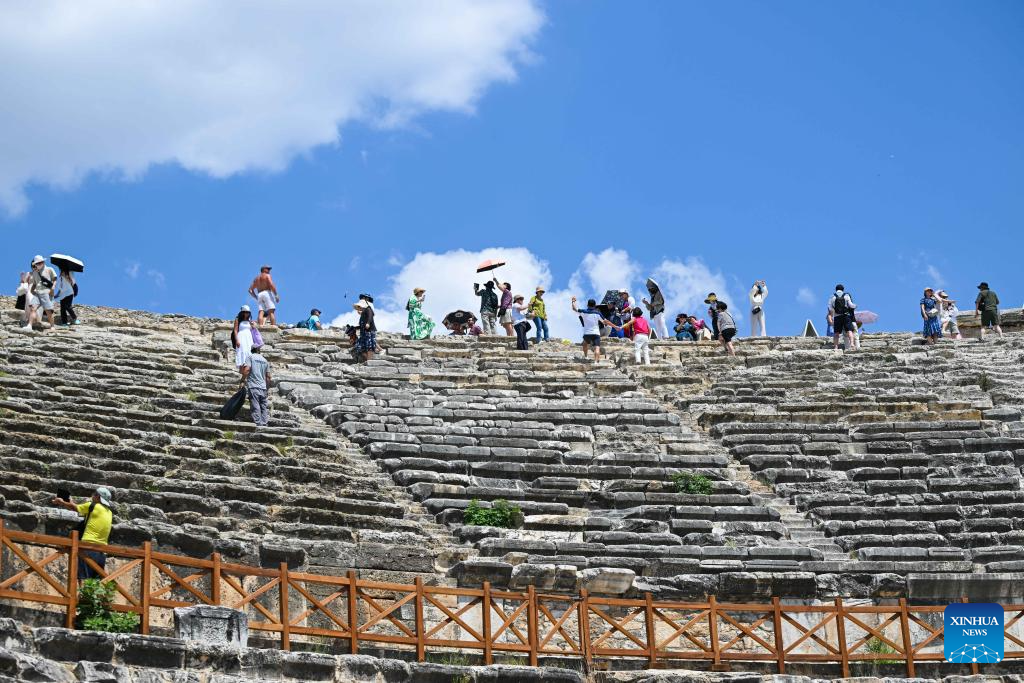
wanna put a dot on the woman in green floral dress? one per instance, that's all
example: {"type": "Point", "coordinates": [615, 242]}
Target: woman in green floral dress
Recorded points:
{"type": "Point", "coordinates": [420, 326]}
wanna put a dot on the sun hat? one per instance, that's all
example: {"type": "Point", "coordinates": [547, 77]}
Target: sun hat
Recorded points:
{"type": "Point", "coordinates": [983, 285]}
{"type": "Point", "coordinates": [245, 308]}
{"type": "Point", "coordinates": [418, 290]}
{"type": "Point", "coordinates": [104, 493]}
{"type": "Point", "coordinates": [711, 298]}
{"type": "Point", "coordinates": [540, 290]}
{"type": "Point", "coordinates": [38, 259]}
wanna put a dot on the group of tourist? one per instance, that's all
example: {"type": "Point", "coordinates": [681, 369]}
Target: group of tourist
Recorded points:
{"type": "Point", "coordinates": [39, 288]}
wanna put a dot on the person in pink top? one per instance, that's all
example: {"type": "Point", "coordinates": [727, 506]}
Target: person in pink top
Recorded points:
{"type": "Point", "coordinates": [641, 332]}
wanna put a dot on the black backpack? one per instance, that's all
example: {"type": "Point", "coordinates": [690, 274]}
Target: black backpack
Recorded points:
{"type": "Point", "coordinates": [840, 306]}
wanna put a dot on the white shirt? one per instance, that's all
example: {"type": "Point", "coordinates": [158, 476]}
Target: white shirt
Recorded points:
{"type": "Point", "coordinates": [591, 322]}
{"type": "Point", "coordinates": [517, 312]}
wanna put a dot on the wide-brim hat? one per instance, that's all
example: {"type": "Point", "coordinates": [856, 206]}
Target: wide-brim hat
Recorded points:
{"type": "Point", "coordinates": [418, 291]}
{"type": "Point", "coordinates": [983, 285]}
{"type": "Point", "coordinates": [711, 298]}
{"type": "Point", "coordinates": [540, 290]}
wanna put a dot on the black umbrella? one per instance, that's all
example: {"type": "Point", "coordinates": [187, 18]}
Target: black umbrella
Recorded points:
{"type": "Point", "coordinates": [65, 262]}
{"type": "Point", "coordinates": [458, 318]}
{"type": "Point", "coordinates": [611, 298]}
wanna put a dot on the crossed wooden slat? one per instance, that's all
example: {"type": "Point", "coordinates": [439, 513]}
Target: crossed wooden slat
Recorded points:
{"type": "Point", "coordinates": [933, 633]}
{"type": "Point", "coordinates": [387, 613]}
{"type": "Point", "coordinates": [508, 622]}
{"type": "Point", "coordinates": [617, 625]}
{"type": "Point", "coordinates": [319, 606]}
{"type": "Point", "coordinates": [247, 598]}
{"type": "Point", "coordinates": [184, 582]}
{"type": "Point", "coordinates": [746, 631]}
{"type": "Point", "coordinates": [869, 631]}
{"type": "Point", "coordinates": [557, 627]}
{"type": "Point", "coordinates": [809, 633]}
{"type": "Point", "coordinates": [37, 568]}
{"type": "Point", "coordinates": [114, 576]}
{"type": "Point", "coordinates": [453, 617]}
{"type": "Point", "coordinates": [1010, 623]}
{"type": "Point", "coordinates": [683, 630]}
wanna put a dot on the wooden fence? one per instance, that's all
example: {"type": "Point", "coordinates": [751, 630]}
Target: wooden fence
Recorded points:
{"type": "Point", "coordinates": [43, 569]}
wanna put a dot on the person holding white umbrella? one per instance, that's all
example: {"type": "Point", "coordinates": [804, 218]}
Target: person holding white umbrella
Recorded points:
{"type": "Point", "coordinates": [656, 309]}
{"type": "Point", "coordinates": [758, 293]}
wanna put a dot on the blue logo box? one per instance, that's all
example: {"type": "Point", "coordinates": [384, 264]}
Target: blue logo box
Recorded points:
{"type": "Point", "coordinates": [973, 633]}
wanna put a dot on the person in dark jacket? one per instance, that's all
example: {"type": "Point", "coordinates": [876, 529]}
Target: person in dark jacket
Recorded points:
{"type": "Point", "coordinates": [366, 345]}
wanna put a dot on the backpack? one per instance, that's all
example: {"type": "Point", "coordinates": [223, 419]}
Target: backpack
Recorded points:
{"type": "Point", "coordinates": [840, 305]}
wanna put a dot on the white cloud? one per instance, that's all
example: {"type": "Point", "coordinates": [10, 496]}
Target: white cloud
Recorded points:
{"type": "Point", "coordinates": [395, 259]}
{"type": "Point", "coordinates": [353, 265]}
{"type": "Point", "coordinates": [132, 269]}
{"type": "Point", "coordinates": [157, 277]}
{"type": "Point", "coordinates": [448, 278]}
{"type": "Point", "coordinates": [936, 277]}
{"type": "Point", "coordinates": [806, 296]}
{"type": "Point", "coordinates": [686, 284]}
{"type": "Point", "coordinates": [221, 88]}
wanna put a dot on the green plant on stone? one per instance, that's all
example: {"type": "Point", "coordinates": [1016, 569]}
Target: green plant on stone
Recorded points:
{"type": "Point", "coordinates": [229, 436]}
{"type": "Point", "coordinates": [191, 396]}
{"type": "Point", "coordinates": [688, 482]}
{"type": "Point", "coordinates": [877, 646]}
{"type": "Point", "coordinates": [286, 446]}
{"type": "Point", "coordinates": [889, 358]}
{"type": "Point", "coordinates": [95, 599]}
{"type": "Point", "coordinates": [985, 382]}
{"type": "Point", "coordinates": [501, 514]}
{"type": "Point", "coordinates": [847, 392]}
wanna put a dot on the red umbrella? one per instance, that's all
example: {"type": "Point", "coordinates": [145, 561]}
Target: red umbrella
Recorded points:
{"type": "Point", "coordinates": [489, 264]}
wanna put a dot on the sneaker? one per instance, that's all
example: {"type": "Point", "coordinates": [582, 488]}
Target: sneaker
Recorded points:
{"type": "Point", "coordinates": [77, 322]}
{"type": "Point", "coordinates": [27, 328]}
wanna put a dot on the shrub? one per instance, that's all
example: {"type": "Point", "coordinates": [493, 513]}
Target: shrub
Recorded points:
{"type": "Point", "coordinates": [688, 482]}
{"type": "Point", "coordinates": [500, 514]}
{"type": "Point", "coordinates": [94, 613]}
{"type": "Point", "coordinates": [880, 647]}
{"type": "Point", "coordinates": [985, 382]}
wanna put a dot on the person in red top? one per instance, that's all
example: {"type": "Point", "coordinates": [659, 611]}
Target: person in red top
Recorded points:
{"type": "Point", "coordinates": [641, 333]}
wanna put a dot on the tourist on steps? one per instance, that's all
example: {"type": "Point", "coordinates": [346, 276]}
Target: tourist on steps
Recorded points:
{"type": "Point", "coordinates": [44, 278]}
{"type": "Point", "coordinates": [726, 327]}
{"type": "Point", "coordinates": [66, 294]}
{"type": "Point", "coordinates": [505, 307]}
{"type": "Point", "coordinates": [488, 305]}
{"type": "Point", "coordinates": [987, 306]}
{"type": "Point", "coordinates": [366, 345]}
{"type": "Point", "coordinates": [265, 292]}
{"type": "Point", "coordinates": [519, 322]}
{"type": "Point", "coordinates": [949, 313]}
{"type": "Point", "coordinates": [640, 330]}
{"type": "Point", "coordinates": [711, 301]}
{"type": "Point", "coordinates": [256, 375]}
{"type": "Point", "coordinates": [931, 315]}
{"type": "Point", "coordinates": [684, 328]}
{"type": "Point", "coordinates": [420, 325]}
{"type": "Point", "coordinates": [591, 319]}
{"type": "Point", "coordinates": [98, 519]}
{"type": "Point", "coordinates": [241, 336]}
{"type": "Point", "coordinates": [656, 309]}
{"type": "Point", "coordinates": [758, 293]}
{"type": "Point", "coordinates": [841, 318]}
{"type": "Point", "coordinates": [539, 314]}
{"type": "Point", "coordinates": [27, 302]}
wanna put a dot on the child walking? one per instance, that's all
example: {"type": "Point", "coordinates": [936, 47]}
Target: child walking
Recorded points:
{"type": "Point", "coordinates": [726, 327]}
{"type": "Point", "coordinates": [641, 330]}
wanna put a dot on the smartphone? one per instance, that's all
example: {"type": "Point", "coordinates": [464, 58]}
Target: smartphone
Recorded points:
{"type": "Point", "coordinates": [64, 494]}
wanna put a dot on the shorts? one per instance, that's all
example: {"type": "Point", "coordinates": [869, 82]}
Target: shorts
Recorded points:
{"type": "Point", "coordinates": [266, 302]}
{"type": "Point", "coordinates": [506, 317]}
{"type": "Point", "coordinates": [44, 300]}
{"type": "Point", "coordinates": [843, 323]}
{"type": "Point", "coordinates": [989, 318]}
{"type": "Point", "coordinates": [592, 339]}
{"type": "Point", "coordinates": [728, 334]}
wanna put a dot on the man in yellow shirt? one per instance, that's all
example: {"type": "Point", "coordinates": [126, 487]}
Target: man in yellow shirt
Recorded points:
{"type": "Point", "coordinates": [98, 520]}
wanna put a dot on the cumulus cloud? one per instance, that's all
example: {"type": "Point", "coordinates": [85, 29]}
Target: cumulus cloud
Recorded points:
{"type": "Point", "coordinates": [448, 279]}
{"type": "Point", "coordinates": [936, 277]}
{"type": "Point", "coordinates": [220, 88]}
{"type": "Point", "coordinates": [806, 296]}
{"type": "Point", "coordinates": [687, 283]}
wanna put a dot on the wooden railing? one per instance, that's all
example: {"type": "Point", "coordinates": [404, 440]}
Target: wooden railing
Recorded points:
{"type": "Point", "coordinates": [43, 569]}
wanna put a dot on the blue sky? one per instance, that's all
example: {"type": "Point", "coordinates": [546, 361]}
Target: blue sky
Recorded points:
{"type": "Point", "coordinates": [877, 144]}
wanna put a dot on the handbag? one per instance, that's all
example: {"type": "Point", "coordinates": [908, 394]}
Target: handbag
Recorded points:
{"type": "Point", "coordinates": [20, 303]}
{"type": "Point", "coordinates": [257, 338]}
{"type": "Point", "coordinates": [233, 406]}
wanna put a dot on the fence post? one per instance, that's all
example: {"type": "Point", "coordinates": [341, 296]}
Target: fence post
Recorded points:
{"type": "Point", "coordinates": [844, 654]}
{"type": "Point", "coordinates": [2, 551]}
{"type": "Point", "coordinates": [713, 632]}
{"type": "Point", "coordinates": [974, 665]}
{"type": "Point", "coordinates": [485, 622]}
{"type": "Point", "coordinates": [286, 616]}
{"type": "Point", "coordinates": [421, 633]}
{"type": "Point", "coordinates": [72, 581]}
{"type": "Point", "coordinates": [584, 623]}
{"type": "Point", "coordinates": [780, 647]}
{"type": "Point", "coordinates": [531, 623]}
{"type": "Point", "coordinates": [908, 645]}
{"type": "Point", "coordinates": [147, 568]}
{"type": "Point", "coordinates": [652, 637]}
{"type": "Point", "coordinates": [353, 612]}
{"type": "Point", "coordinates": [215, 580]}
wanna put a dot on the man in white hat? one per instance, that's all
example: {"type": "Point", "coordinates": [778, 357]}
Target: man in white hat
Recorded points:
{"type": "Point", "coordinates": [265, 292]}
{"type": "Point", "coordinates": [98, 519]}
{"type": "Point", "coordinates": [44, 278]}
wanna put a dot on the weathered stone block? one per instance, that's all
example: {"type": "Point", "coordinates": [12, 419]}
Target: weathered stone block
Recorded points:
{"type": "Point", "coordinates": [212, 625]}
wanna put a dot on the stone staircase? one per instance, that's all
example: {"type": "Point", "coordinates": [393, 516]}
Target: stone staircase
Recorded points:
{"type": "Point", "coordinates": [130, 401]}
